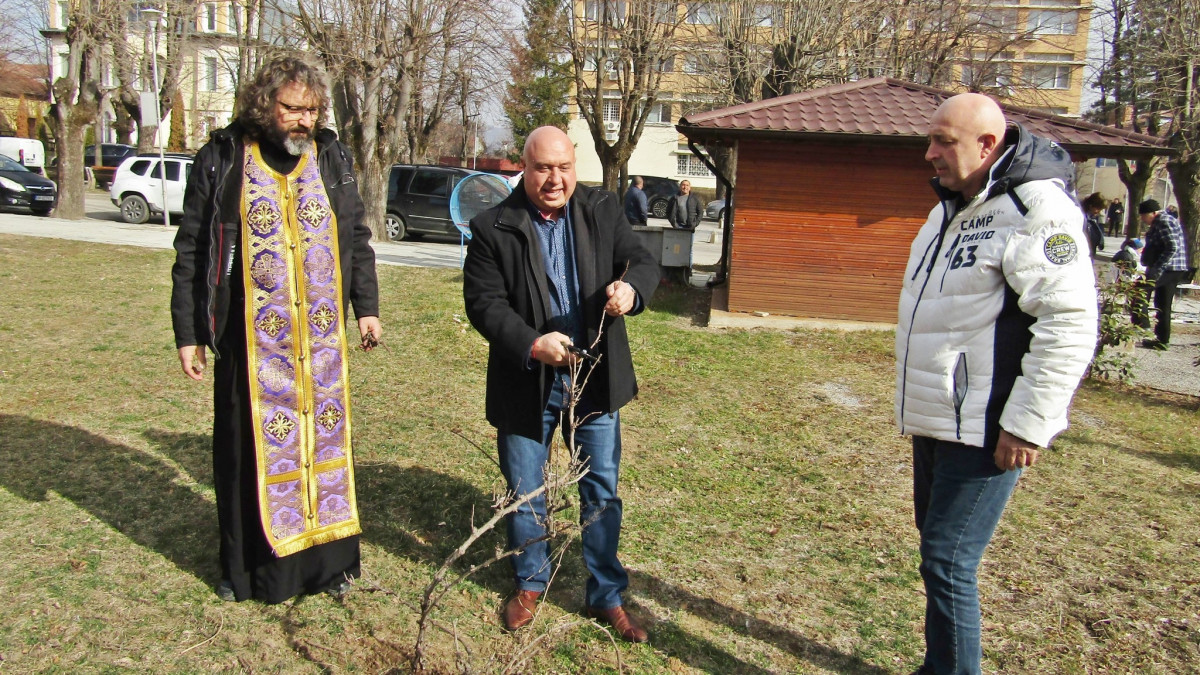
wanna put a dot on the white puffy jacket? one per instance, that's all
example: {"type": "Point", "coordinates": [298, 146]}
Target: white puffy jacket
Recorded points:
{"type": "Point", "coordinates": [997, 319]}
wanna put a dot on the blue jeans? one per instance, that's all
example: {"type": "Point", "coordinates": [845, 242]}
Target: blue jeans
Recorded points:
{"type": "Point", "coordinates": [523, 459]}
{"type": "Point", "coordinates": [959, 495]}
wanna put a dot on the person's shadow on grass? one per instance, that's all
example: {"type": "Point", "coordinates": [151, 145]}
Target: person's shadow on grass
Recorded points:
{"type": "Point", "coordinates": [154, 504]}
{"type": "Point", "coordinates": [699, 654]}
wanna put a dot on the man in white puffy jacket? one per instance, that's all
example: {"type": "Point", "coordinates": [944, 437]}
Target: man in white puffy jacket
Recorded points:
{"type": "Point", "coordinates": [997, 323]}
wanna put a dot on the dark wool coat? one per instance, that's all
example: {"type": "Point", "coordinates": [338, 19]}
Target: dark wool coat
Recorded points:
{"type": "Point", "coordinates": [508, 301]}
{"type": "Point", "coordinates": [206, 242]}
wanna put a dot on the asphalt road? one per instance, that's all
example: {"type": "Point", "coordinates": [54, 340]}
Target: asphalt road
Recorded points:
{"type": "Point", "coordinates": [103, 225]}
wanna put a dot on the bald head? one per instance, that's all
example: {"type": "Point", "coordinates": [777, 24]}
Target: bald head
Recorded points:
{"type": "Point", "coordinates": [549, 158]}
{"type": "Point", "coordinates": [966, 137]}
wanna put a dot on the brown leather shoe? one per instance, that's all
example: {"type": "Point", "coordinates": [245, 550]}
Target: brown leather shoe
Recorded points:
{"type": "Point", "coordinates": [518, 611]}
{"type": "Point", "coordinates": [624, 623]}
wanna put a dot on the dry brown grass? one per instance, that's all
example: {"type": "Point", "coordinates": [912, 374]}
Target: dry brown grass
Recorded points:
{"type": "Point", "coordinates": [767, 496]}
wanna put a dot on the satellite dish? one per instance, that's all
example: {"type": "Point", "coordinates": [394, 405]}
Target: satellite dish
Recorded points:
{"type": "Point", "coordinates": [473, 195]}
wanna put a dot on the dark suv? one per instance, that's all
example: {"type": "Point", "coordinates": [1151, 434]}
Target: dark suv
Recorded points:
{"type": "Point", "coordinates": [418, 199]}
{"type": "Point", "coordinates": [98, 173]}
{"type": "Point", "coordinates": [659, 192]}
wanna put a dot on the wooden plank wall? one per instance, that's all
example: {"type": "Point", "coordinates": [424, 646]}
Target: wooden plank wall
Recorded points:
{"type": "Point", "coordinates": [823, 231]}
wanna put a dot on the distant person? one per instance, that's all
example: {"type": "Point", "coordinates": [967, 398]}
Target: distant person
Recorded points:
{"type": "Point", "coordinates": [1165, 258]}
{"type": "Point", "coordinates": [685, 211]}
{"type": "Point", "coordinates": [1130, 254]}
{"type": "Point", "coordinates": [271, 251]}
{"type": "Point", "coordinates": [1116, 217]}
{"type": "Point", "coordinates": [1127, 265]}
{"type": "Point", "coordinates": [1173, 211]}
{"type": "Point", "coordinates": [997, 323]}
{"type": "Point", "coordinates": [637, 207]}
{"type": "Point", "coordinates": [1093, 206]}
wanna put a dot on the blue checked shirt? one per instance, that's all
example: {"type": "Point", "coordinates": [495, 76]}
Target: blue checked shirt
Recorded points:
{"type": "Point", "coordinates": [557, 243]}
{"type": "Point", "coordinates": [1166, 249]}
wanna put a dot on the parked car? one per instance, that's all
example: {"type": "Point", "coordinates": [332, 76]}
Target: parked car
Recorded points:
{"type": "Point", "coordinates": [659, 192]}
{"type": "Point", "coordinates": [28, 152]}
{"type": "Point", "coordinates": [137, 186]}
{"type": "Point", "coordinates": [418, 200]}
{"type": "Point", "coordinates": [98, 172]}
{"type": "Point", "coordinates": [715, 210]}
{"type": "Point", "coordinates": [22, 188]}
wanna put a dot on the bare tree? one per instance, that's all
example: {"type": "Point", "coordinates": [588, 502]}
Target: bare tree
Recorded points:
{"type": "Point", "coordinates": [77, 94]}
{"type": "Point", "coordinates": [620, 52]}
{"type": "Point", "coordinates": [394, 68]}
{"type": "Point", "coordinates": [1128, 99]}
{"type": "Point", "coordinates": [1177, 64]}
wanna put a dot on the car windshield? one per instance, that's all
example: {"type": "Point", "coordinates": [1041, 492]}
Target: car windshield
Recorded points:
{"type": "Point", "coordinates": [9, 164]}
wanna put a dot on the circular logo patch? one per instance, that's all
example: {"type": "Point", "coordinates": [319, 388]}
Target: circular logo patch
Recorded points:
{"type": "Point", "coordinates": [1061, 249]}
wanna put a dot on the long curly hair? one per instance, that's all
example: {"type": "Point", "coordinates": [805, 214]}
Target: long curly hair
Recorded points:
{"type": "Point", "coordinates": [256, 100]}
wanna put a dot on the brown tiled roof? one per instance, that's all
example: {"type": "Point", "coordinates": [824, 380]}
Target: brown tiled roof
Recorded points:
{"type": "Point", "coordinates": [23, 78]}
{"type": "Point", "coordinates": [894, 111]}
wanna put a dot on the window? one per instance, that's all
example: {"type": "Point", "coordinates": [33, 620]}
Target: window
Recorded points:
{"type": "Point", "coordinates": [139, 167]}
{"type": "Point", "coordinates": [762, 15]}
{"type": "Point", "coordinates": [156, 172]}
{"type": "Point", "coordinates": [210, 73]}
{"type": "Point", "coordinates": [701, 13]}
{"type": "Point", "coordinates": [1047, 71]}
{"type": "Point", "coordinates": [999, 20]}
{"type": "Point", "coordinates": [235, 19]}
{"type": "Point", "coordinates": [612, 111]}
{"type": "Point", "coordinates": [604, 10]}
{"type": "Point", "coordinates": [64, 65]}
{"type": "Point", "coordinates": [663, 11]}
{"type": "Point", "coordinates": [690, 165]}
{"type": "Point", "coordinates": [427, 182]}
{"type": "Point", "coordinates": [210, 17]}
{"type": "Point", "coordinates": [173, 171]}
{"type": "Point", "coordinates": [984, 72]}
{"type": "Point", "coordinates": [1050, 22]}
{"type": "Point", "coordinates": [660, 114]}
{"type": "Point", "coordinates": [64, 14]}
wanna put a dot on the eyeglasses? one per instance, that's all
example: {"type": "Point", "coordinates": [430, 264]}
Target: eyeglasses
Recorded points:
{"type": "Point", "coordinates": [298, 111]}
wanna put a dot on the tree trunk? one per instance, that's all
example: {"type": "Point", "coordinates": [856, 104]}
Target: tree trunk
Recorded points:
{"type": "Point", "coordinates": [1135, 182]}
{"type": "Point", "coordinates": [1185, 177]}
{"type": "Point", "coordinates": [372, 182]}
{"type": "Point", "coordinates": [70, 172]}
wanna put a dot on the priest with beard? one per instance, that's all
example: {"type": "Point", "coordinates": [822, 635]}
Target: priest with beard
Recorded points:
{"type": "Point", "coordinates": [271, 252]}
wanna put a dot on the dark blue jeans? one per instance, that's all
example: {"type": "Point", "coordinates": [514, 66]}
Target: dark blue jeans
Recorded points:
{"type": "Point", "coordinates": [523, 460]}
{"type": "Point", "coordinates": [959, 495]}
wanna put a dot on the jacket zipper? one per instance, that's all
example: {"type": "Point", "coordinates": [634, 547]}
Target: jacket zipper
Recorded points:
{"type": "Point", "coordinates": [946, 218]}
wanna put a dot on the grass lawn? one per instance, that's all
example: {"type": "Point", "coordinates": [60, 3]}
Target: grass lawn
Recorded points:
{"type": "Point", "coordinates": [768, 519]}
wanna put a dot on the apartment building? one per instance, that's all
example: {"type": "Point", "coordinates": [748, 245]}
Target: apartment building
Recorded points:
{"type": "Point", "coordinates": [207, 71]}
{"type": "Point", "coordinates": [1030, 53]}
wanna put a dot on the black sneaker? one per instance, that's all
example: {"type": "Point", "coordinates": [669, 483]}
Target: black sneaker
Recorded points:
{"type": "Point", "coordinates": [225, 591]}
{"type": "Point", "coordinates": [1155, 344]}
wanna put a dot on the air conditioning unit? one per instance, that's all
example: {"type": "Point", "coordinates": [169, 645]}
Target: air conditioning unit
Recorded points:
{"type": "Point", "coordinates": [612, 126]}
{"type": "Point", "coordinates": [610, 136]}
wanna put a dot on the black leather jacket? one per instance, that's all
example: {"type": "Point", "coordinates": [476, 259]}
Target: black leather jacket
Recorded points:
{"type": "Point", "coordinates": [207, 240]}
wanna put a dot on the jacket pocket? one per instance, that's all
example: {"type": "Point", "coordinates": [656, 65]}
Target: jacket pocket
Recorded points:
{"type": "Point", "coordinates": [960, 391]}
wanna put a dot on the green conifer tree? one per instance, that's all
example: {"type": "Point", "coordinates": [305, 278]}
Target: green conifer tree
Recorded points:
{"type": "Point", "coordinates": [541, 79]}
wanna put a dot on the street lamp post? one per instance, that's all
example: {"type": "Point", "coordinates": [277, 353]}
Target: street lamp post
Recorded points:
{"type": "Point", "coordinates": [157, 15]}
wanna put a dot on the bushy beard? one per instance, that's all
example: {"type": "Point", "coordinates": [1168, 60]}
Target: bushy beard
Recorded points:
{"type": "Point", "coordinates": [295, 141]}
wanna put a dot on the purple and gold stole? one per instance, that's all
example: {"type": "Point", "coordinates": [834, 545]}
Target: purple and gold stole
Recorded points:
{"type": "Point", "coordinates": [296, 343]}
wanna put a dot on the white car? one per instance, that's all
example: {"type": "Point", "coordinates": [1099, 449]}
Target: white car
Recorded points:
{"type": "Point", "coordinates": [137, 186]}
